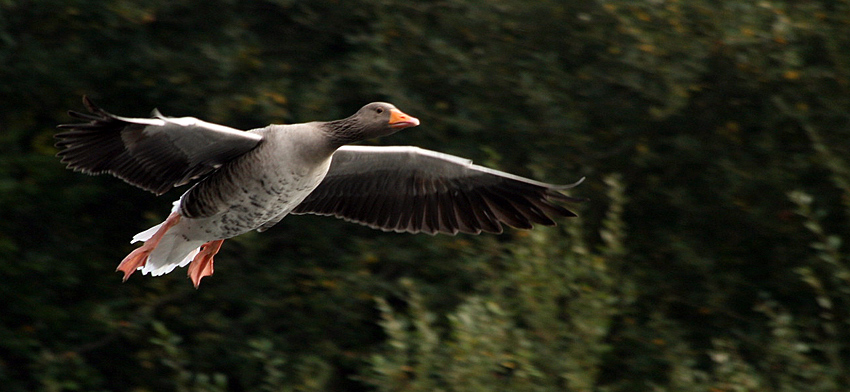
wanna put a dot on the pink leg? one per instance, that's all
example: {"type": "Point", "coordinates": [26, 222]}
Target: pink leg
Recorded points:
{"type": "Point", "coordinates": [202, 264]}
{"type": "Point", "coordinates": [137, 258]}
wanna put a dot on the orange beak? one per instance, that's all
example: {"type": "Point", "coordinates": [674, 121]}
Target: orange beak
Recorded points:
{"type": "Point", "coordinates": [399, 120]}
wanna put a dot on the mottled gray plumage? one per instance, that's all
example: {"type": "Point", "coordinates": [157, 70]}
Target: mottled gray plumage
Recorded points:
{"type": "Point", "coordinates": [251, 180]}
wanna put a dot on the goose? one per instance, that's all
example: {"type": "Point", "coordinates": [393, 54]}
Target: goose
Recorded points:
{"type": "Point", "coordinates": [250, 180]}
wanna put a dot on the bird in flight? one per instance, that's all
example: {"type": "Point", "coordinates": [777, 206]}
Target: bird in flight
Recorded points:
{"type": "Point", "coordinates": [250, 180]}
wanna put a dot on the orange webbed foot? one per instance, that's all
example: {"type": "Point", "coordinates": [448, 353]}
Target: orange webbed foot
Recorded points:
{"type": "Point", "coordinates": [137, 258]}
{"type": "Point", "coordinates": [202, 264]}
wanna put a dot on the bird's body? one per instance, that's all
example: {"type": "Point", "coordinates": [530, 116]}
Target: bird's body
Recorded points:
{"type": "Point", "coordinates": [262, 185]}
{"type": "Point", "coordinates": [245, 194]}
{"type": "Point", "coordinates": [251, 180]}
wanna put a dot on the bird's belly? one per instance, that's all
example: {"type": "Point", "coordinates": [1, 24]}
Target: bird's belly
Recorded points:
{"type": "Point", "coordinates": [254, 202]}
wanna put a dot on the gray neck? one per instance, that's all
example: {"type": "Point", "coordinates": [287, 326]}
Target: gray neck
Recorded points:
{"type": "Point", "coordinates": [342, 132]}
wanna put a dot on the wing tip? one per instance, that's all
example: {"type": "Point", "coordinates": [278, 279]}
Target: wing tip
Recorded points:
{"type": "Point", "coordinates": [569, 186]}
{"type": "Point", "coordinates": [554, 192]}
{"type": "Point", "coordinates": [92, 107]}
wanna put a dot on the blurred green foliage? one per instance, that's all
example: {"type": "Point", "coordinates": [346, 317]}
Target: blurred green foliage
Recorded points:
{"type": "Point", "coordinates": [711, 255]}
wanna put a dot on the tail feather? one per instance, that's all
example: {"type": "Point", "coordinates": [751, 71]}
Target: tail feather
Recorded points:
{"type": "Point", "coordinates": [157, 267]}
{"type": "Point", "coordinates": [172, 251]}
{"type": "Point", "coordinates": [146, 235]}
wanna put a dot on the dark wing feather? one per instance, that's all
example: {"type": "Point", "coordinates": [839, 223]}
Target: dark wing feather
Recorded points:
{"type": "Point", "coordinates": [409, 189]}
{"type": "Point", "coordinates": [154, 154]}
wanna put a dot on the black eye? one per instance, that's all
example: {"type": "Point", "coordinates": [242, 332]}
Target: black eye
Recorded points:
{"type": "Point", "coordinates": [379, 110]}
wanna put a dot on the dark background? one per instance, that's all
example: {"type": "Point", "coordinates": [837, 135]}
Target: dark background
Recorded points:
{"type": "Point", "coordinates": [713, 135]}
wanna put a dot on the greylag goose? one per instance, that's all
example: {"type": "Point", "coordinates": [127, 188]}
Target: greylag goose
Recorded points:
{"type": "Point", "coordinates": [250, 180]}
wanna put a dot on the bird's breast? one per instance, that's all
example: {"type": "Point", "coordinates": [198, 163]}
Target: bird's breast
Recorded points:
{"type": "Point", "coordinates": [253, 196]}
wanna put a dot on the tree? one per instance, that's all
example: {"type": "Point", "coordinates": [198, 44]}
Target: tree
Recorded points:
{"type": "Point", "coordinates": [722, 266]}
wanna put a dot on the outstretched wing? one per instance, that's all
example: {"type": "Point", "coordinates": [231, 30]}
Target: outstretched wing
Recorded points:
{"type": "Point", "coordinates": [409, 189]}
{"type": "Point", "coordinates": [155, 153]}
